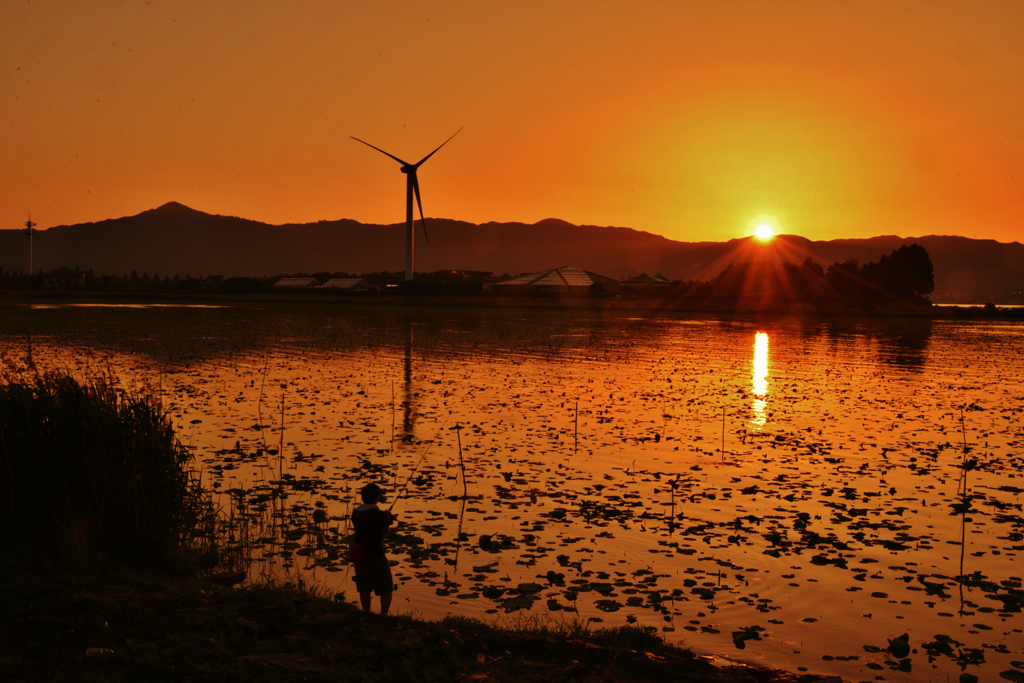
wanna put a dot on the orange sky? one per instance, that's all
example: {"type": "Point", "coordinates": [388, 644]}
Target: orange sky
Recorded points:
{"type": "Point", "coordinates": [688, 119]}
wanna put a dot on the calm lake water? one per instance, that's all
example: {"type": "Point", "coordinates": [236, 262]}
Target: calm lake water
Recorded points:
{"type": "Point", "coordinates": [782, 492]}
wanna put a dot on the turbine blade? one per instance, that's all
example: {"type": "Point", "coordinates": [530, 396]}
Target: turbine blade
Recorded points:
{"type": "Point", "coordinates": [416, 189]}
{"type": "Point", "coordinates": [420, 162]}
{"type": "Point", "coordinates": [404, 163]}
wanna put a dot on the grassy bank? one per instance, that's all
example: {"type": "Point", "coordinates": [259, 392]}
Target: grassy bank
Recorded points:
{"type": "Point", "coordinates": [135, 626]}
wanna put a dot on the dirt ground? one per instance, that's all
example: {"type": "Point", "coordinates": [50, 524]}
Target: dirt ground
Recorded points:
{"type": "Point", "coordinates": [102, 628]}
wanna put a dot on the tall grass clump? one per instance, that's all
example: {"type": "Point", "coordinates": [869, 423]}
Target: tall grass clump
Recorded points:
{"type": "Point", "coordinates": [88, 470]}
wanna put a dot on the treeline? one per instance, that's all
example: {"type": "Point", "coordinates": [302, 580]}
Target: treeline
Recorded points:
{"type": "Point", "coordinates": [90, 281]}
{"type": "Point", "coordinates": [905, 275]}
{"type": "Point", "coordinates": [133, 282]}
{"type": "Point", "coordinates": [442, 283]}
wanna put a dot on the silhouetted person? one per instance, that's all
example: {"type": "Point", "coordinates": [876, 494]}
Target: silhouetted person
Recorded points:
{"type": "Point", "coordinates": [373, 575]}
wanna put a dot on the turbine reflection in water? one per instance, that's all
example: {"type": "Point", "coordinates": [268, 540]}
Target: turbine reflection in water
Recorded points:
{"type": "Point", "coordinates": [760, 380]}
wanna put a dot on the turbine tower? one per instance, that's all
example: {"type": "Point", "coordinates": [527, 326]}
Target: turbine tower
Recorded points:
{"type": "Point", "coordinates": [412, 187]}
{"type": "Point", "coordinates": [30, 231]}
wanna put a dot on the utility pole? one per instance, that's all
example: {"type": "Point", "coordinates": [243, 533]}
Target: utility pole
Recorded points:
{"type": "Point", "coordinates": [30, 230]}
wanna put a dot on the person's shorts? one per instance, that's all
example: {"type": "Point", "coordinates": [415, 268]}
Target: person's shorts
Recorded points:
{"type": "Point", "coordinates": [374, 574]}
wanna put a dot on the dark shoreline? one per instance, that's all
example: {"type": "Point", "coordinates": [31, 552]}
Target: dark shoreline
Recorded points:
{"type": "Point", "coordinates": [115, 625]}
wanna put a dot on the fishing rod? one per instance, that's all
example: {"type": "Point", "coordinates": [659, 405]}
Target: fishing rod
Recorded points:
{"type": "Point", "coordinates": [419, 462]}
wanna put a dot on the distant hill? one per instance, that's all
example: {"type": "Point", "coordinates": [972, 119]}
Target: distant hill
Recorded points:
{"type": "Point", "coordinates": [175, 239]}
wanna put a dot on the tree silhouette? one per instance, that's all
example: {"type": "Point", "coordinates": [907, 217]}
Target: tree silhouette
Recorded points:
{"type": "Point", "coordinates": [906, 272]}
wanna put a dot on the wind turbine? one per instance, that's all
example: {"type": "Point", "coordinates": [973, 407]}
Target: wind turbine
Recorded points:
{"type": "Point", "coordinates": [412, 186]}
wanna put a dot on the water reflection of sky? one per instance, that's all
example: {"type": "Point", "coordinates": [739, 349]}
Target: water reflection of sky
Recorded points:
{"type": "Point", "coordinates": [760, 380]}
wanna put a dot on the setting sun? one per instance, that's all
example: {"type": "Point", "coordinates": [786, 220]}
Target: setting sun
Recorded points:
{"type": "Point", "coordinates": [764, 232]}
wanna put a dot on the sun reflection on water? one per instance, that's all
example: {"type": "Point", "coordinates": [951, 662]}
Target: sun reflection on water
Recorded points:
{"type": "Point", "coordinates": [760, 379]}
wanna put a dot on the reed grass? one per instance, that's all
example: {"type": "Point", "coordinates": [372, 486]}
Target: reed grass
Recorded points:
{"type": "Point", "coordinates": [627, 636]}
{"type": "Point", "coordinates": [88, 470]}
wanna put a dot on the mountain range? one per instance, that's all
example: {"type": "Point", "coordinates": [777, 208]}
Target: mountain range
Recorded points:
{"type": "Point", "coordinates": [175, 239]}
